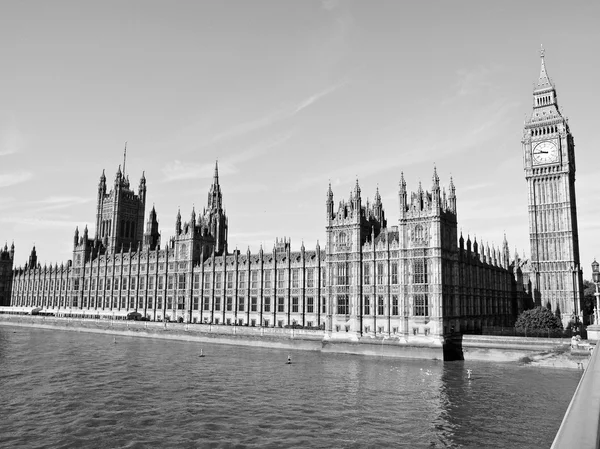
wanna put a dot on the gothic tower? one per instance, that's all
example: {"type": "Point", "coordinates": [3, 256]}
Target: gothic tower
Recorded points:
{"type": "Point", "coordinates": [120, 213]}
{"type": "Point", "coordinates": [549, 162]}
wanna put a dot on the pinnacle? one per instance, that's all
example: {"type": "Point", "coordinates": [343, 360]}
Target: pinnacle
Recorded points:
{"type": "Point", "coordinates": [543, 81]}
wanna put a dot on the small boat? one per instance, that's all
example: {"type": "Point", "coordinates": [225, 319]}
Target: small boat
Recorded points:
{"type": "Point", "coordinates": [289, 360]}
{"type": "Point", "coordinates": [201, 355]}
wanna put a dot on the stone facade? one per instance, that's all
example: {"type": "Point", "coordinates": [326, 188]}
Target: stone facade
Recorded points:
{"type": "Point", "coordinates": [416, 281]}
{"type": "Point", "coordinates": [549, 162]}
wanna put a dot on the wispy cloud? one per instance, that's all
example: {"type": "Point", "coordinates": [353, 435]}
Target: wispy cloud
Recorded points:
{"type": "Point", "coordinates": [39, 222]}
{"type": "Point", "coordinates": [61, 202]}
{"type": "Point", "coordinates": [11, 179]}
{"type": "Point", "coordinates": [178, 170]}
{"type": "Point", "coordinates": [316, 97]}
{"type": "Point", "coordinates": [275, 116]}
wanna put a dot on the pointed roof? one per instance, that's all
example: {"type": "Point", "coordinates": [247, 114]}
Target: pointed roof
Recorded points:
{"type": "Point", "coordinates": [216, 175]}
{"type": "Point", "coordinates": [543, 81]}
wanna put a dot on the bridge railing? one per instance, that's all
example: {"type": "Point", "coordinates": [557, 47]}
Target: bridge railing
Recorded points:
{"type": "Point", "coordinates": [581, 424]}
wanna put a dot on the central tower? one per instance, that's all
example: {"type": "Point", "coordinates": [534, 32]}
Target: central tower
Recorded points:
{"type": "Point", "coordinates": [549, 163]}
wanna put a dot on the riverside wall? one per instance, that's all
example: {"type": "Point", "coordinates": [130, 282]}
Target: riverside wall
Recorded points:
{"type": "Point", "coordinates": [283, 338]}
{"type": "Point", "coordinates": [466, 347]}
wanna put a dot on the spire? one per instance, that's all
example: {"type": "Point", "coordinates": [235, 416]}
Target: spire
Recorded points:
{"type": "Point", "coordinates": [124, 157]}
{"type": "Point", "coordinates": [178, 222]}
{"type": "Point", "coordinates": [216, 176]}
{"type": "Point", "coordinates": [544, 81]}
{"type": "Point", "coordinates": [435, 178]}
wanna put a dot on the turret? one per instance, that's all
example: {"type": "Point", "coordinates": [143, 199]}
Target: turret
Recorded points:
{"type": "Point", "coordinates": [329, 204]}
{"type": "Point", "coordinates": [32, 259]}
{"type": "Point", "coordinates": [76, 237]}
{"type": "Point", "coordinates": [102, 185]}
{"type": "Point", "coordinates": [142, 188]}
{"type": "Point", "coordinates": [452, 196]}
{"type": "Point", "coordinates": [357, 200]}
{"type": "Point", "coordinates": [402, 195]}
{"type": "Point", "coordinates": [178, 223]}
{"type": "Point", "coordinates": [435, 189]}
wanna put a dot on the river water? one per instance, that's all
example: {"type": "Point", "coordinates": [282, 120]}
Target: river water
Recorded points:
{"type": "Point", "coordinates": [65, 389]}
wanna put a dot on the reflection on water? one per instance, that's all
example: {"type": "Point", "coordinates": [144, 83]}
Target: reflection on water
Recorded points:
{"type": "Point", "coordinates": [68, 389]}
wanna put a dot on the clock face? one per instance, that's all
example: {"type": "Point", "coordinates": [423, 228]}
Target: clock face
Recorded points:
{"type": "Point", "coordinates": [545, 153]}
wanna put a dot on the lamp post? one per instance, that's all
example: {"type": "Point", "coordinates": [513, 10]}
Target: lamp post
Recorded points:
{"type": "Point", "coordinates": [596, 279]}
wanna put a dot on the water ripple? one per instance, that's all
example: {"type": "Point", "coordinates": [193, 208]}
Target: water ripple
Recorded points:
{"type": "Point", "coordinates": [71, 390]}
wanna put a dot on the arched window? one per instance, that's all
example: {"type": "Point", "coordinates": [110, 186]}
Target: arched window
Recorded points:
{"type": "Point", "coordinates": [342, 238]}
{"type": "Point", "coordinates": [418, 232]}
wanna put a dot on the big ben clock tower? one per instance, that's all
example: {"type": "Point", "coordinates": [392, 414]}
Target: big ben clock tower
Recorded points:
{"type": "Point", "coordinates": [549, 160]}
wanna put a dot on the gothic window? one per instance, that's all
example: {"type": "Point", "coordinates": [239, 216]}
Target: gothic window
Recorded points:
{"type": "Point", "coordinates": [342, 238]}
{"type": "Point", "coordinates": [295, 277]}
{"type": "Point", "coordinates": [380, 273]}
{"type": "Point", "coordinates": [229, 304]}
{"type": "Point", "coordinates": [196, 281]}
{"type": "Point", "coordinates": [242, 279]}
{"type": "Point", "coordinates": [218, 280]}
{"type": "Point", "coordinates": [342, 305]}
{"type": "Point", "coordinates": [267, 304]}
{"type": "Point", "coordinates": [159, 303]}
{"type": "Point", "coordinates": [254, 279]}
{"type": "Point", "coordinates": [132, 286]}
{"type": "Point", "coordinates": [123, 284]}
{"type": "Point", "coordinates": [181, 282]}
{"type": "Point", "coordinates": [268, 279]}
{"type": "Point", "coordinates": [380, 308]}
{"type": "Point", "coordinates": [310, 301]}
{"type": "Point", "coordinates": [419, 271]}
{"type": "Point", "coordinates": [280, 278]}
{"type": "Point", "coordinates": [418, 233]}
{"type": "Point", "coordinates": [217, 304]}
{"type": "Point", "coordinates": [295, 304]}
{"type": "Point", "coordinates": [310, 277]}
{"type": "Point", "coordinates": [342, 274]}
{"type": "Point", "coordinates": [281, 304]}
{"type": "Point", "coordinates": [195, 303]}
{"type": "Point", "coordinates": [421, 306]}
{"type": "Point", "coordinates": [206, 281]}
{"type": "Point", "coordinates": [241, 305]}
{"type": "Point", "coordinates": [367, 273]}
{"type": "Point", "coordinates": [253, 304]}
{"type": "Point", "coordinates": [394, 272]}
{"type": "Point", "coordinates": [161, 282]}
{"type": "Point", "coordinates": [324, 305]}
{"type": "Point", "coordinates": [395, 305]}
{"type": "Point", "coordinates": [367, 305]}
{"type": "Point", "coordinates": [230, 279]}
{"type": "Point", "coordinates": [206, 304]}
{"type": "Point", "coordinates": [149, 302]}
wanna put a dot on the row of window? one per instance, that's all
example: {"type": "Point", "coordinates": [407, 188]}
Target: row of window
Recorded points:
{"type": "Point", "coordinates": [420, 304]}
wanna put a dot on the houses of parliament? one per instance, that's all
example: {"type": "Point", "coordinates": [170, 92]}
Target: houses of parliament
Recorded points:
{"type": "Point", "coordinates": [417, 279]}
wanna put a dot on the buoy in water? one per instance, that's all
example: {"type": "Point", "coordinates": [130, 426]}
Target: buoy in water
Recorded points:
{"type": "Point", "coordinates": [201, 355]}
{"type": "Point", "coordinates": [469, 372]}
{"type": "Point", "coordinates": [289, 360]}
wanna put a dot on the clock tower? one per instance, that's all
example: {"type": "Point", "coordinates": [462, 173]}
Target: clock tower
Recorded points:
{"type": "Point", "coordinates": [549, 162]}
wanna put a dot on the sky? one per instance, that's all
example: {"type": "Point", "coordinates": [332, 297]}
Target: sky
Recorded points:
{"type": "Point", "coordinates": [287, 96]}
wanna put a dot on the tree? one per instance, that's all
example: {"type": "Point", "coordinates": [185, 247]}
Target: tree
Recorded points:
{"type": "Point", "coordinates": [589, 300]}
{"type": "Point", "coordinates": [538, 318]}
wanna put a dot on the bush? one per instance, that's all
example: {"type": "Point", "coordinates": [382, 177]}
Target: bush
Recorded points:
{"type": "Point", "coordinates": [538, 318]}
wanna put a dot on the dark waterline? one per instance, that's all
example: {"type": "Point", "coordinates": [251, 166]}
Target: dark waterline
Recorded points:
{"type": "Point", "coordinates": [69, 389]}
